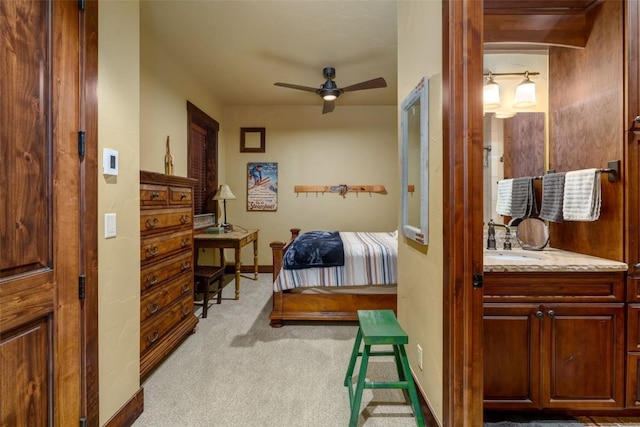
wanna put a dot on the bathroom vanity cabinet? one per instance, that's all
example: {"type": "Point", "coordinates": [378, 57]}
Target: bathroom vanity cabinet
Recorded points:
{"type": "Point", "coordinates": [554, 340]}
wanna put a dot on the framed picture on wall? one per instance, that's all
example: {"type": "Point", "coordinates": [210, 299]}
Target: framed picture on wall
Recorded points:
{"type": "Point", "coordinates": [252, 140]}
{"type": "Point", "coordinates": [262, 186]}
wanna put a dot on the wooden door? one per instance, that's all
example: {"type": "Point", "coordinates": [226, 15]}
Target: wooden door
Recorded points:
{"type": "Point", "coordinates": [511, 346]}
{"type": "Point", "coordinates": [40, 310]}
{"type": "Point", "coordinates": [583, 355]}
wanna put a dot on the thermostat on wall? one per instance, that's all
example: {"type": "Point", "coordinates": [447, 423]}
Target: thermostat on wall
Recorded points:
{"type": "Point", "coordinates": [109, 162]}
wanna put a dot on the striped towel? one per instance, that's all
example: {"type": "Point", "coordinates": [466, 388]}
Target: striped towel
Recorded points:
{"type": "Point", "coordinates": [523, 199]}
{"type": "Point", "coordinates": [503, 203]}
{"type": "Point", "coordinates": [582, 195]}
{"type": "Point", "coordinates": [552, 196]}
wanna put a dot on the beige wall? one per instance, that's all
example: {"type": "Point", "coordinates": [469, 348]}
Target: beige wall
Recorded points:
{"type": "Point", "coordinates": [420, 276]}
{"type": "Point", "coordinates": [165, 88]}
{"type": "Point", "coordinates": [353, 145]}
{"type": "Point", "coordinates": [118, 258]}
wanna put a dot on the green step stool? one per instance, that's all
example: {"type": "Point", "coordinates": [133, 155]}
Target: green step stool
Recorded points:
{"type": "Point", "coordinates": [380, 327]}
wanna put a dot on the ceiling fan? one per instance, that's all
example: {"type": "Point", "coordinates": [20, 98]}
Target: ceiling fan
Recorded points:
{"type": "Point", "coordinates": [329, 91]}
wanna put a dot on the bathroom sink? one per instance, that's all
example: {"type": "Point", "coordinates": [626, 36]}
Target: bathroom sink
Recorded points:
{"type": "Point", "coordinates": [510, 256]}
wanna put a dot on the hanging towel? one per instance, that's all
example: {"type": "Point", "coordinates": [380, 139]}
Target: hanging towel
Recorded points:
{"type": "Point", "coordinates": [582, 195]}
{"type": "Point", "coordinates": [503, 204]}
{"type": "Point", "coordinates": [523, 198]}
{"type": "Point", "coordinates": [552, 196]}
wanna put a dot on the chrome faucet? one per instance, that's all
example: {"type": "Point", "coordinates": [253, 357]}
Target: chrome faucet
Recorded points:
{"type": "Point", "coordinates": [491, 235]}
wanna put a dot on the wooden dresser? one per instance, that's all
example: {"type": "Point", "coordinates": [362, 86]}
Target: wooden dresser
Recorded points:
{"type": "Point", "coordinates": [166, 265]}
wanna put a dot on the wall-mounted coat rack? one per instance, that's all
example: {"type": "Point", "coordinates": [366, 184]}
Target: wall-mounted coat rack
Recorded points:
{"type": "Point", "coordinates": [342, 189]}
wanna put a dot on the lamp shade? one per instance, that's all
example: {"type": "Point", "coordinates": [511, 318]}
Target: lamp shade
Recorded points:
{"type": "Point", "coordinates": [224, 193]}
{"type": "Point", "coordinates": [506, 114]}
{"type": "Point", "coordinates": [491, 94]}
{"type": "Point", "coordinates": [525, 95]}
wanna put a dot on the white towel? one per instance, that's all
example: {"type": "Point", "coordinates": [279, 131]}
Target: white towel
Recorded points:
{"type": "Point", "coordinates": [581, 195]}
{"type": "Point", "coordinates": [503, 203]}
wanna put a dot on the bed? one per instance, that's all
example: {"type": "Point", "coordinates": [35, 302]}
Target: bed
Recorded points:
{"type": "Point", "coordinates": [336, 293]}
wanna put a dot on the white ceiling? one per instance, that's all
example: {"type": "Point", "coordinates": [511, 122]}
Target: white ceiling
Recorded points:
{"type": "Point", "coordinates": [240, 48]}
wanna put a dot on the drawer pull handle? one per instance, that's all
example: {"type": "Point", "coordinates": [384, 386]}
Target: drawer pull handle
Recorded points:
{"type": "Point", "coordinates": [539, 314]}
{"type": "Point", "coordinates": [185, 289]}
{"type": "Point", "coordinates": [152, 308]}
{"type": "Point", "coordinates": [551, 314]}
{"type": "Point", "coordinates": [153, 280]}
{"type": "Point", "coordinates": [185, 311]}
{"type": "Point", "coordinates": [184, 219]}
{"type": "Point", "coordinates": [152, 223]}
{"type": "Point", "coordinates": [183, 196]}
{"type": "Point", "coordinates": [153, 338]}
{"type": "Point", "coordinates": [154, 195]}
{"type": "Point", "coordinates": [637, 119]}
{"type": "Point", "coordinates": [185, 242]}
{"type": "Point", "coordinates": [185, 266]}
{"type": "Point", "coordinates": [153, 251]}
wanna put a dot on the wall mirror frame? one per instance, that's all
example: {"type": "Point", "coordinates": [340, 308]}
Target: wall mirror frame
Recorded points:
{"type": "Point", "coordinates": [414, 123]}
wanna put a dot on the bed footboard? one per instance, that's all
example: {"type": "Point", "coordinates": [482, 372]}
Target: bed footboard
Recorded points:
{"type": "Point", "coordinates": [289, 306]}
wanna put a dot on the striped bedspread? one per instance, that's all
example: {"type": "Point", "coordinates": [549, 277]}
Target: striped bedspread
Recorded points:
{"type": "Point", "coordinates": [370, 259]}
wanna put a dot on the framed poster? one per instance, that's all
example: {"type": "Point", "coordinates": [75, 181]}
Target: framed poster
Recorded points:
{"type": "Point", "coordinates": [262, 186]}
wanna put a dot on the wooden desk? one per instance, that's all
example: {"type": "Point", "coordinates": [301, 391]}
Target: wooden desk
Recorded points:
{"type": "Point", "coordinates": [233, 240]}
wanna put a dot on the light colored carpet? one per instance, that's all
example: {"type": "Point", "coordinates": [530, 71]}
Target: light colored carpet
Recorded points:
{"type": "Point", "coordinates": [238, 371]}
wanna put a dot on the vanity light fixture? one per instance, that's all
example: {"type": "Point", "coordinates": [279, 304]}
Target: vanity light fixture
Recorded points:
{"type": "Point", "coordinates": [491, 93]}
{"type": "Point", "coordinates": [525, 93]}
{"type": "Point", "coordinates": [504, 114]}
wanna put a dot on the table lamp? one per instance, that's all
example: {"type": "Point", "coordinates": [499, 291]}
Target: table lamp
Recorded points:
{"type": "Point", "coordinates": [224, 193]}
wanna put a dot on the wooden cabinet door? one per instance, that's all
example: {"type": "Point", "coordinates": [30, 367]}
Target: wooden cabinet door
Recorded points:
{"type": "Point", "coordinates": [40, 349]}
{"type": "Point", "coordinates": [511, 343]}
{"type": "Point", "coordinates": [583, 355]}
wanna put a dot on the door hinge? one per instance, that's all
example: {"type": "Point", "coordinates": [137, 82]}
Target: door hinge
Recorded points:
{"type": "Point", "coordinates": [81, 143]}
{"type": "Point", "coordinates": [81, 4]}
{"type": "Point", "coordinates": [83, 422]}
{"type": "Point", "coordinates": [477, 281]}
{"type": "Point", "coordinates": [82, 287]}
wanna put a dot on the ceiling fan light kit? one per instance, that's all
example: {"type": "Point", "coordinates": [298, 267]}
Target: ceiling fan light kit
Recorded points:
{"type": "Point", "coordinates": [329, 91]}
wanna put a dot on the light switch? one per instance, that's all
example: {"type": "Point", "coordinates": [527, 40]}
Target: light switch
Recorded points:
{"type": "Point", "coordinates": [109, 225]}
{"type": "Point", "coordinates": [109, 162]}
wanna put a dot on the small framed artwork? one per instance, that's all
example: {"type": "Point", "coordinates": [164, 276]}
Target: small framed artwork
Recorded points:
{"type": "Point", "coordinates": [252, 140]}
{"type": "Point", "coordinates": [262, 186]}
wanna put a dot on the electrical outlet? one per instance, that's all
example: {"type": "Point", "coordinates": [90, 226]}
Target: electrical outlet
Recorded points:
{"type": "Point", "coordinates": [419, 357]}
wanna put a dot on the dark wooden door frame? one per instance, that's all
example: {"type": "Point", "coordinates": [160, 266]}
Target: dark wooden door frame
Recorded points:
{"type": "Point", "coordinates": [462, 24]}
{"type": "Point", "coordinates": [88, 122]}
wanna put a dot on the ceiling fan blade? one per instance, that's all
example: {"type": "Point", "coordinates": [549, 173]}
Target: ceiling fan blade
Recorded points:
{"type": "Point", "coordinates": [298, 87]}
{"type": "Point", "coordinates": [369, 84]}
{"type": "Point", "coordinates": [328, 107]}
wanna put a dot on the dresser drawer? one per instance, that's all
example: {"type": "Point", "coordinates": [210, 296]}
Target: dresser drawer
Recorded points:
{"type": "Point", "coordinates": [154, 195]}
{"type": "Point", "coordinates": [156, 274]}
{"type": "Point", "coordinates": [162, 245]}
{"type": "Point", "coordinates": [153, 302]}
{"type": "Point", "coordinates": [159, 219]}
{"type": "Point", "coordinates": [155, 328]}
{"type": "Point", "coordinates": [180, 196]}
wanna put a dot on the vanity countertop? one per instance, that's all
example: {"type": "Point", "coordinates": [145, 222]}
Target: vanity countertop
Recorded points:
{"type": "Point", "coordinates": [547, 260]}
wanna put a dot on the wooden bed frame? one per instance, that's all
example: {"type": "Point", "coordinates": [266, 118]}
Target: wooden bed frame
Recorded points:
{"type": "Point", "coordinates": [328, 307]}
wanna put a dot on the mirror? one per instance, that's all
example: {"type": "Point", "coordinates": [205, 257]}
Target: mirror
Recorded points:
{"type": "Point", "coordinates": [415, 164]}
{"type": "Point", "coordinates": [514, 145]}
